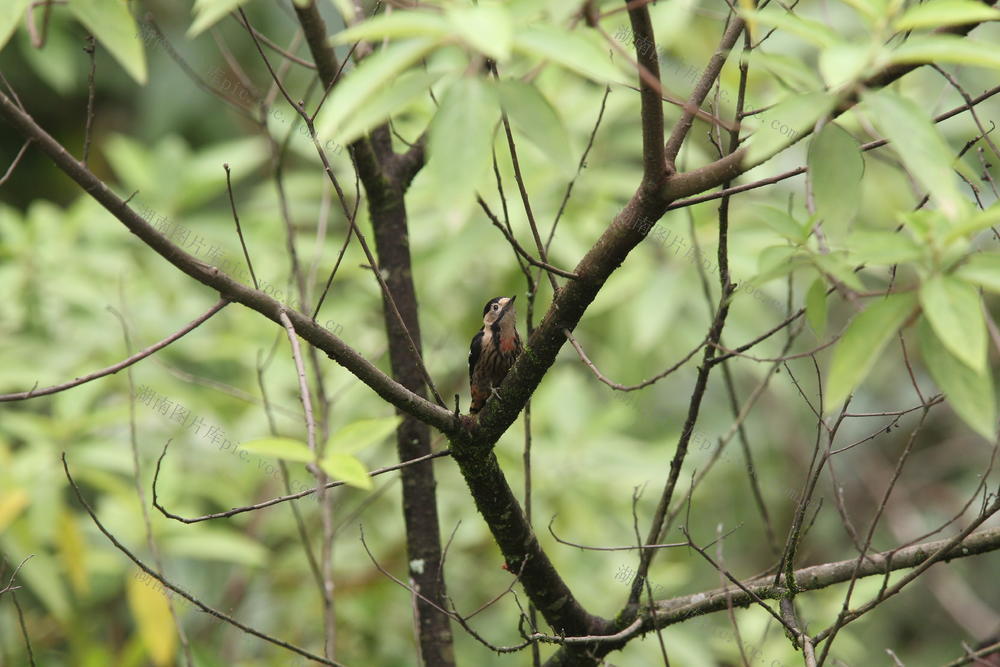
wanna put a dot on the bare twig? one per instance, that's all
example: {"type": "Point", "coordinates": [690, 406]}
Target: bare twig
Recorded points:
{"type": "Point", "coordinates": [239, 228]}
{"type": "Point", "coordinates": [141, 494]}
{"type": "Point", "coordinates": [17, 159]}
{"type": "Point", "coordinates": [88, 125]}
{"type": "Point", "coordinates": [24, 630]}
{"type": "Point", "coordinates": [139, 356]}
{"type": "Point", "coordinates": [180, 591]}
{"type": "Point", "coordinates": [280, 499]}
{"type": "Point", "coordinates": [623, 387]}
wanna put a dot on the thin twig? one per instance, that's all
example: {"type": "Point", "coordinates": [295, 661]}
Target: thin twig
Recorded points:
{"type": "Point", "coordinates": [280, 499]}
{"type": "Point", "coordinates": [184, 594]}
{"type": "Point", "coordinates": [17, 159]}
{"type": "Point", "coordinates": [584, 547]}
{"type": "Point", "coordinates": [239, 228]}
{"type": "Point", "coordinates": [623, 387]}
{"type": "Point", "coordinates": [88, 125]}
{"type": "Point", "coordinates": [579, 169]}
{"type": "Point", "coordinates": [521, 252]}
{"type": "Point", "coordinates": [798, 171]}
{"type": "Point", "coordinates": [139, 356]}
{"type": "Point", "coordinates": [10, 587]}
{"type": "Point", "coordinates": [141, 493]}
{"type": "Point", "coordinates": [272, 45]}
{"type": "Point", "coordinates": [24, 630]}
{"type": "Point", "coordinates": [357, 232]}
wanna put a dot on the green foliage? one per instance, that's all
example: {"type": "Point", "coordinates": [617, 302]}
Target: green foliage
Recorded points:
{"type": "Point", "coordinates": [10, 13]}
{"type": "Point", "coordinates": [969, 391]}
{"type": "Point", "coordinates": [461, 136]}
{"type": "Point", "coordinates": [361, 434]}
{"type": "Point", "coordinates": [347, 468]}
{"type": "Point", "coordinates": [288, 449]}
{"type": "Point", "coordinates": [835, 171]}
{"type": "Point", "coordinates": [863, 342]}
{"type": "Point", "coordinates": [920, 146]}
{"type": "Point", "coordinates": [886, 267]}
{"type": "Point", "coordinates": [112, 25]}
{"type": "Point", "coordinates": [954, 310]}
{"type": "Point", "coordinates": [936, 13]}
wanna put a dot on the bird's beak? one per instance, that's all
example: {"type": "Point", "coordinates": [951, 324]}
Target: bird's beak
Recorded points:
{"type": "Point", "coordinates": [508, 306]}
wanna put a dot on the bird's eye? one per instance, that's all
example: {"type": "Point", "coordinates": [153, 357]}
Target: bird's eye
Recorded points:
{"type": "Point", "coordinates": [496, 306]}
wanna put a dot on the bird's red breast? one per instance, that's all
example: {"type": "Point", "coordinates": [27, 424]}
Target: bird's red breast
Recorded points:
{"type": "Point", "coordinates": [507, 343]}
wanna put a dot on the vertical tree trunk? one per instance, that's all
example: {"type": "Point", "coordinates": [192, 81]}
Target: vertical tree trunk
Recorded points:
{"type": "Point", "coordinates": [423, 538]}
{"type": "Point", "coordinates": [385, 177]}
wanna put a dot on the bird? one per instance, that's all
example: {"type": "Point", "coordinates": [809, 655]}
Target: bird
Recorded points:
{"type": "Point", "coordinates": [494, 350]}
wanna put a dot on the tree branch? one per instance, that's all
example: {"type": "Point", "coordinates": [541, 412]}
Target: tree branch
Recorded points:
{"type": "Point", "coordinates": [816, 577]}
{"type": "Point", "coordinates": [229, 289]}
{"type": "Point", "coordinates": [111, 370]}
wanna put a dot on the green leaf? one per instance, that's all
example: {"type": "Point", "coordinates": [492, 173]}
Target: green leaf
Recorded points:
{"type": "Point", "coordinates": [288, 449]}
{"type": "Point", "coordinates": [954, 309]}
{"type": "Point", "coordinates": [844, 64]}
{"type": "Point", "coordinates": [346, 468]}
{"type": "Point", "coordinates": [872, 10]}
{"type": "Point", "coordinates": [346, 10]}
{"type": "Point", "coordinates": [938, 13]}
{"type": "Point", "coordinates": [11, 12]}
{"type": "Point", "coordinates": [837, 265]}
{"type": "Point", "coordinates": [387, 102]}
{"type": "Point", "coordinates": [782, 223]}
{"type": "Point", "coordinates": [983, 269]}
{"type": "Point", "coordinates": [924, 151]}
{"type": "Point", "coordinates": [816, 306]}
{"type": "Point", "coordinates": [203, 178]}
{"type": "Point", "coordinates": [921, 49]}
{"type": "Point", "coordinates": [975, 223]}
{"type": "Point", "coordinates": [925, 224]}
{"type": "Point", "coordinates": [351, 95]}
{"type": "Point", "coordinates": [882, 247]}
{"type": "Point", "coordinates": [791, 71]}
{"type": "Point", "coordinates": [487, 28]}
{"type": "Point", "coordinates": [835, 171]}
{"type": "Point", "coordinates": [774, 262]}
{"type": "Point", "coordinates": [783, 124]}
{"type": "Point", "coordinates": [580, 50]}
{"type": "Point", "coordinates": [150, 608]}
{"type": "Point", "coordinates": [969, 393]}
{"type": "Point", "coordinates": [461, 138]}
{"type": "Point", "coordinates": [112, 25]}
{"type": "Point", "coordinates": [532, 114]}
{"type": "Point", "coordinates": [360, 434]}
{"type": "Point", "coordinates": [56, 64]}
{"type": "Point", "coordinates": [862, 344]}
{"type": "Point", "coordinates": [209, 12]}
{"type": "Point", "coordinates": [217, 545]}
{"type": "Point", "coordinates": [811, 31]}
{"type": "Point", "coordinates": [394, 26]}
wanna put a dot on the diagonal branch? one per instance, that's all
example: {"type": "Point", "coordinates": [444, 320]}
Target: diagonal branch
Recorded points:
{"type": "Point", "coordinates": [815, 577]}
{"type": "Point", "coordinates": [111, 370]}
{"type": "Point", "coordinates": [180, 591]}
{"type": "Point", "coordinates": [701, 90]}
{"type": "Point", "coordinates": [229, 289]}
{"type": "Point", "coordinates": [654, 165]}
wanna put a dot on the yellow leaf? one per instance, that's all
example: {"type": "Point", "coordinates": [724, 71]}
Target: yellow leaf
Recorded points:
{"type": "Point", "coordinates": [11, 504]}
{"type": "Point", "coordinates": [150, 609]}
{"type": "Point", "coordinates": [73, 552]}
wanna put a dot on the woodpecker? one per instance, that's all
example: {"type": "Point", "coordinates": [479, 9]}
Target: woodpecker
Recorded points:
{"type": "Point", "coordinates": [494, 350]}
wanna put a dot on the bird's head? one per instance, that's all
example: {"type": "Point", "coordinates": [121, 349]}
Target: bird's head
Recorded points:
{"type": "Point", "coordinates": [499, 309]}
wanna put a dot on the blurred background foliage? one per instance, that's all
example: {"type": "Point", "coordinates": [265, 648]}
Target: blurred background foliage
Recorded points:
{"type": "Point", "coordinates": [64, 262]}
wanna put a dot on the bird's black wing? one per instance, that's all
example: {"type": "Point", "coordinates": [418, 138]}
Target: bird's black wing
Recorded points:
{"type": "Point", "coordinates": [474, 350]}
